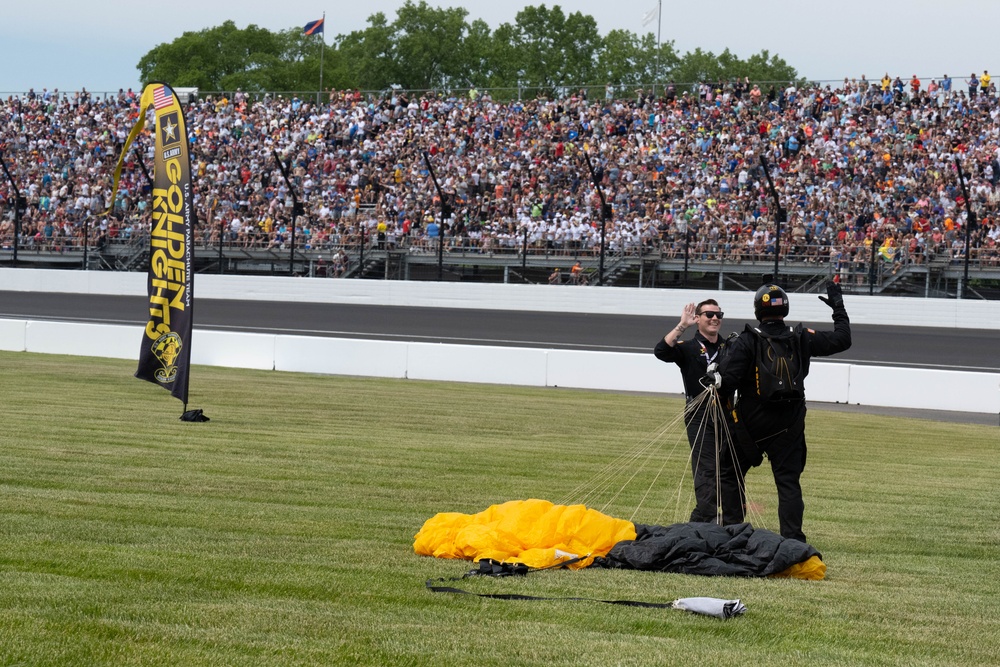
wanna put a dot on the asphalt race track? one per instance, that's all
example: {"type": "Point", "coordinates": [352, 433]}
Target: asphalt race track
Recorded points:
{"type": "Point", "coordinates": [915, 347]}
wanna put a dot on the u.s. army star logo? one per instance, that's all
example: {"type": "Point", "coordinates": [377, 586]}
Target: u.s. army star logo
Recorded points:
{"type": "Point", "coordinates": [169, 129]}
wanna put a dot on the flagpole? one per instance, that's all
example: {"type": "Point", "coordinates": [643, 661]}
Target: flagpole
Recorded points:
{"type": "Point", "coordinates": [659, 23]}
{"type": "Point", "coordinates": [322, 48]}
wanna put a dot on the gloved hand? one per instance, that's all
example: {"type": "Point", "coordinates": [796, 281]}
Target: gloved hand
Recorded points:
{"type": "Point", "coordinates": [711, 378]}
{"type": "Point", "coordinates": [834, 295]}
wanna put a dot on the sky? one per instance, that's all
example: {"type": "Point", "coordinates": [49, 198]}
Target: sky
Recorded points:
{"type": "Point", "coordinates": [69, 44]}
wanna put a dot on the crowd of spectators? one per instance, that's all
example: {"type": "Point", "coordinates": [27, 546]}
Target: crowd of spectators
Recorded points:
{"type": "Point", "coordinates": [855, 163]}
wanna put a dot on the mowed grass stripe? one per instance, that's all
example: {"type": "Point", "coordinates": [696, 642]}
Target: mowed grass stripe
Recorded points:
{"type": "Point", "coordinates": [281, 531]}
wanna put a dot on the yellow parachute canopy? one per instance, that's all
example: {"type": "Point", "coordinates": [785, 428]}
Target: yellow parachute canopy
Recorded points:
{"type": "Point", "coordinates": [534, 532]}
{"type": "Point", "coordinates": [812, 569]}
{"type": "Point", "coordinates": [541, 534]}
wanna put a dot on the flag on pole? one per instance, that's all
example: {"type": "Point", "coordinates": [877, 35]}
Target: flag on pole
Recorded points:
{"type": "Point", "coordinates": [313, 27]}
{"type": "Point", "coordinates": [650, 16]}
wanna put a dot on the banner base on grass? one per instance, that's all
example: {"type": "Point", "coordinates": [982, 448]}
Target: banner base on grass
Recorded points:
{"type": "Point", "coordinates": [194, 416]}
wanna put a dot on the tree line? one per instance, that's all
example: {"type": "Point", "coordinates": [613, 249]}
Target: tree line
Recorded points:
{"type": "Point", "coordinates": [544, 51]}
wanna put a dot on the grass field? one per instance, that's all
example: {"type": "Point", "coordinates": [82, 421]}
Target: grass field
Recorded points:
{"type": "Point", "coordinates": [280, 533]}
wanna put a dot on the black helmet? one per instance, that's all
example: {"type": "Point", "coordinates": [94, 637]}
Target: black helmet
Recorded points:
{"type": "Point", "coordinates": [770, 301]}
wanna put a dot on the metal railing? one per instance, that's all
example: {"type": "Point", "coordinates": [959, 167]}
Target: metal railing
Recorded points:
{"type": "Point", "coordinates": [348, 256]}
{"type": "Point", "coordinates": [135, 243]}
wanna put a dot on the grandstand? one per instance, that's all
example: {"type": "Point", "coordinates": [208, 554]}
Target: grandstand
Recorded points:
{"type": "Point", "coordinates": [867, 175]}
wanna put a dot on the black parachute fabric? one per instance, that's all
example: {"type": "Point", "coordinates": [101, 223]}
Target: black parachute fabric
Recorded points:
{"type": "Point", "coordinates": [738, 550]}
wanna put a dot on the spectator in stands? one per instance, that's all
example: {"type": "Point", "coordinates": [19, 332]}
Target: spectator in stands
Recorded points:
{"type": "Point", "coordinates": [683, 174]}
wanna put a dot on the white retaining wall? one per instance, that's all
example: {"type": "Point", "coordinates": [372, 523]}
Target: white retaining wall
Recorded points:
{"type": "Point", "coordinates": [828, 382]}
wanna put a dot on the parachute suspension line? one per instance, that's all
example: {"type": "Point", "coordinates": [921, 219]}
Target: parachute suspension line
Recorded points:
{"type": "Point", "coordinates": [677, 514]}
{"type": "Point", "coordinates": [635, 470]}
{"type": "Point", "coordinates": [630, 463]}
{"type": "Point", "coordinates": [692, 408]}
{"type": "Point", "coordinates": [650, 486]}
{"type": "Point", "coordinates": [714, 416]}
{"type": "Point", "coordinates": [703, 406]}
{"type": "Point", "coordinates": [633, 467]}
{"type": "Point", "coordinates": [723, 442]}
{"type": "Point", "coordinates": [728, 439]}
{"type": "Point", "coordinates": [689, 409]}
{"type": "Point", "coordinates": [622, 464]}
{"type": "Point", "coordinates": [638, 467]}
{"type": "Point", "coordinates": [597, 484]}
{"type": "Point", "coordinates": [718, 419]}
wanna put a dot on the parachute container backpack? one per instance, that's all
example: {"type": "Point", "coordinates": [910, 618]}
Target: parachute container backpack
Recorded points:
{"type": "Point", "coordinates": [779, 373]}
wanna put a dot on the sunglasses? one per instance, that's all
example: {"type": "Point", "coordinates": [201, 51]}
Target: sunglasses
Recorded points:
{"type": "Point", "coordinates": [712, 313]}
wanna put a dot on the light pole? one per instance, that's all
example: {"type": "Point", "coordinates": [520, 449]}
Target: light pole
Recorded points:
{"type": "Point", "coordinates": [606, 214]}
{"type": "Point", "coordinates": [780, 215]}
{"type": "Point", "coordinates": [970, 222]}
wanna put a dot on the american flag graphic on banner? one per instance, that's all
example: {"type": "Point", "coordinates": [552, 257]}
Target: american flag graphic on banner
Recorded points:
{"type": "Point", "coordinates": [162, 97]}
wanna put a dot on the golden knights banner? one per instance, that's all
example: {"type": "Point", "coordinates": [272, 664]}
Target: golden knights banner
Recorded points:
{"type": "Point", "coordinates": [165, 353]}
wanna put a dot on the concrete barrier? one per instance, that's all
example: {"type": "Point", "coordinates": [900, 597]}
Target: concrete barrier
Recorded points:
{"type": "Point", "coordinates": [583, 369]}
{"type": "Point", "coordinates": [829, 382]}
{"type": "Point", "coordinates": [12, 335]}
{"type": "Point", "coordinates": [926, 389]}
{"type": "Point", "coordinates": [231, 349]}
{"type": "Point", "coordinates": [476, 363]}
{"type": "Point", "coordinates": [82, 340]}
{"type": "Point", "coordinates": [340, 356]}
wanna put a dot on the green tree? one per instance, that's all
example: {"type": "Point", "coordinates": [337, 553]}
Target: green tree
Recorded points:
{"type": "Point", "coordinates": [628, 61]}
{"type": "Point", "coordinates": [429, 45]}
{"type": "Point", "coordinates": [479, 58]}
{"type": "Point", "coordinates": [294, 67]}
{"type": "Point", "coordinates": [424, 47]}
{"type": "Point", "coordinates": [765, 67]}
{"type": "Point", "coordinates": [503, 61]}
{"type": "Point", "coordinates": [555, 50]}
{"type": "Point", "coordinates": [544, 50]}
{"type": "Point", "coordinates": [371, 54]}
{"type": "Point", "coordinates": [207, 58]}
{"type": "Point", "coordinates": [618, 62]}
{"type": "Point", "coordinates": [698, 65]}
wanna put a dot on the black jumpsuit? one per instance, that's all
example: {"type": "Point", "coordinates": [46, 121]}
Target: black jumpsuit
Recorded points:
{"type": "Point", "coordinates": [707, 464]}
{"type": "Point", "coordinates": [778, 430]}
